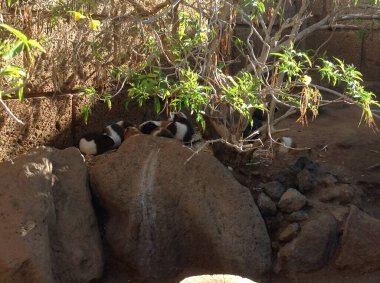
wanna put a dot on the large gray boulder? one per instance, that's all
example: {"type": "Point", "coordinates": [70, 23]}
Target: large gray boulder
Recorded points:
{"type": "Point", "coordinates": [166, 214]}
{"type": "Point", "coordinates": [48, 229]}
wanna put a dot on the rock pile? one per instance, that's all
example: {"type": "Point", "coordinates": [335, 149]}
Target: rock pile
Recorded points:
{"type": "Point", "coordinates": [306, 212]}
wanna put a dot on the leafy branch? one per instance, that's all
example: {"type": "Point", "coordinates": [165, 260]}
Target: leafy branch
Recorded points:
{"type": "Point", "coordinates": [13, 76]}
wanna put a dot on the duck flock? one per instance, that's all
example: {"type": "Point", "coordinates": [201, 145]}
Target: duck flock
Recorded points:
{"type": "Point", "coordinates": [177, 126]}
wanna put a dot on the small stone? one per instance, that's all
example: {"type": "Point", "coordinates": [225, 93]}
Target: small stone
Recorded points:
{"type": "Point", "coordinates": [305, 180]}
{"type": "Point", "coordinates": [273, 222]}
{"type": "Point", "coordinates": [255, 192]}
{"type": "Point", "coordinates": [274, 189]}
{"type": "Point", "coordinates": [275, 246]}
{"type": "Point", "coordinates": [292, 200]}
{"type": "Point", "coordinates": [327, 180]}
{"type": "Point", "coordinates": [266, 205]}
{"type": "Point", "coordinates": [346, 193]}
{"type": "Point", "coordinates": [304, 162]}
{"type": "Point", "coordinates": [340, 214]}
{"type": "Point", "coordinates": [289, 233]}
{"type": "Point", "coordinates": [297, 216]}
{"type": "Point", "coordinates": [343, 193]}
{"type": "Point", "coordinates": [328, 194]}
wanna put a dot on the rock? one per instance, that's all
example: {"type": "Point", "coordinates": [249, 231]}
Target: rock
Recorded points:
{"type": "Point", "coordinates": [289, 176]}
{"type": "Point", "coordinates": [311, 177]}
{"type": "Point", "coordinates": [48, 229]}
{"type": "Point", "coordinates": [255, 192]}
{"type": "Point", "coordinates": [343, 193]}
{"type": "Point", "coordinates": [306, 180]}
{"type": "Point", "coordinates": [341, 213]}
{"type": "Point", "coordinates": [266, 205]}
{"type": "Point", "coordinates": [297, 216]}
{"type": "Point", "coordinates": [275, 246]}
{"type": "Point", "coordinates": [166, 213]}
{"type": "Point", "coordinates": [346, 193]}
{"type": "Point", "coordinates": [312, 248]}
{"type": "Point", "coordinates": [326, 180]}
{"type": "Point", "coordinates": [309, 180]}
{"type": "Point", "coordinates": [360, 243]}
{"type": "Point", "coordinates": [273, 222]}
{"type": "Point", "coordinates": [274, 189]}
{"type": "Point", "coordinates": [289, 233]}
{"type": "Point", "coordinates": [292, 200]}
{"type": "Point", "coordinates": [304, 162]}
{"type": "Point", "coordinates": [225, 278]}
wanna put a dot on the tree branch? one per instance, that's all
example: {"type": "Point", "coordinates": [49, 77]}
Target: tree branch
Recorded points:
{"type": "Point", "coordinates": [153, 16]}
{"type": "Point", "coordinates": [6, 108]}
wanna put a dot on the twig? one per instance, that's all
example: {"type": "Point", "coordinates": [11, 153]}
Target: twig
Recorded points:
{"type": "Point", "coordinates": [373, 166]}
{"type": "Point", "coordinates": [276, 121]}
{"type": "Point", "coordinates": [324, 148]}
{"type": "Point", "coordinates": [10, 112]}
{"type": "Point", "coordinates": [149, 19]}
{"type": "Point", "coordinates": [252, 135]}
{"type": "Point", "coordinates": [201, 148]}
{"type": "Point", "coordinates": [238, 148]}
{"type": "Point", "coordinates": [157, 37]}
{"type": "Point", "coordinates": [279, 130]}
{"type": "Point", "coordinates": [289, 147]}
{"type": "Point", "coordinates": [121, 87]}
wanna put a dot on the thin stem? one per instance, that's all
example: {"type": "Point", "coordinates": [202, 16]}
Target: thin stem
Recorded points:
{"type": "Point", "coordinates": [10, 112]}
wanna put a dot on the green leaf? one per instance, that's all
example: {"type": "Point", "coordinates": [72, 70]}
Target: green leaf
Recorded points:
{"type": "Point", "coordinates": [14, 51]}
{"type": "Point", "coordinates": [17, 33]}
{"type": "Point", "coordinates": [126, 103]}
{"type": "Point", "coordinates": [36, 44]}
{"type": "Point", "coordinates": [307, 58]}
{"type": "Point", "coordinates": [108, 101]}
{"type": "Point", "coordinates": [9, 3]}
{"type": "Point", "coordinates": [157, 105]}
{"type": "Point", "coordinates": [283, 56]}
{"type": "Point", "coordinates": [20, 93]}
{"type": "Point", "coordinates": [86, 111]}
{"type": "Point", "coordinates": [13, 71]}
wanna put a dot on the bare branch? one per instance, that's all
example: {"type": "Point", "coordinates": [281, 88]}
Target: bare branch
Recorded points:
{"type": "Point", "coordinates": [6, 108]}
{"type": "Point", "coordinates": [349, 17]}
{"type": "Point", "coordinates": [274, 17]}
{"type": "Point", "coordinates": [150, 19]}
{"type": "Point", "coordinates": [121, 87]}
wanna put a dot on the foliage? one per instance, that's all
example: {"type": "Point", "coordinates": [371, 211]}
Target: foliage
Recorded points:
{"type": "Point", "coordinates": [337, 72]}
{"type": "Point", "coordinates": [176, 94]}
{"type": "Point", "coordinates": [242, 94]}
{"type": "Point", "coordinates": [13, 76]}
